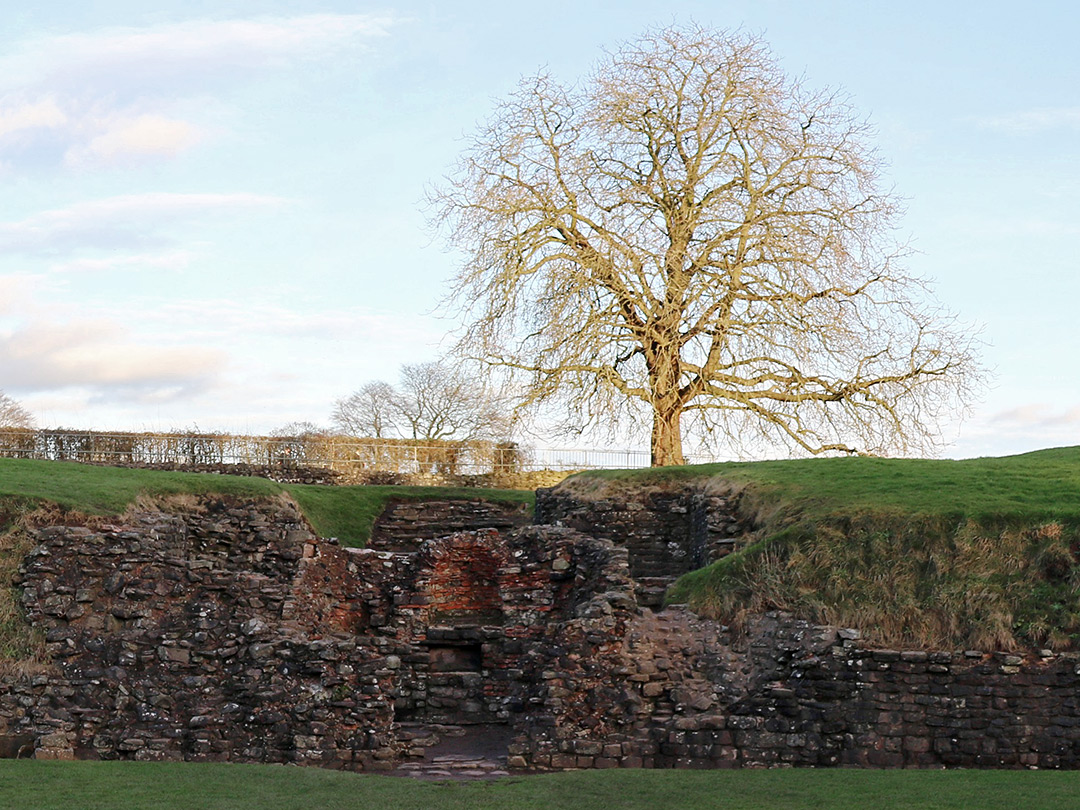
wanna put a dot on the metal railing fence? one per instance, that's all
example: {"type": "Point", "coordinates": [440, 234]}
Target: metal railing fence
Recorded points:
{"type": "Point", "coordinates": [343, 454]}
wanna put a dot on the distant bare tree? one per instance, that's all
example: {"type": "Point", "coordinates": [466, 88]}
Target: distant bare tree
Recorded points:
{"type": "Point", "coordinates": [369, 411]}
{"type": "Point", "coordinates": [691, 237]}
{"type": "Point", "coordinates": [297, 430]}
{"type": "Point", "coordinates": [295, 443]}
{"type": "Point", "coordinates": [435, 401]}
{"type": "Point", "coordinates": [439, 401]}
{"type": "Point", "coordinates": [14, 415]}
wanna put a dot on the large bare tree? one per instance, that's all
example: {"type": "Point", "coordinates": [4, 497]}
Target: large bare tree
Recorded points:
{"type": "Point", "coordinates": [690, 236]}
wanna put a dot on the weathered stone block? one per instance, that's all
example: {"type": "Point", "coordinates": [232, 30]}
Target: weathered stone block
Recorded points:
{"type": "Point", "coordinates": [55, 753]}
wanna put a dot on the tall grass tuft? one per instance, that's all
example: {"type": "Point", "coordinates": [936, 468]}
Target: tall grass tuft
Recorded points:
{"type": "Point", "coordinates": [907, 581]}
{"type": "Point", "coordinates": [22, 647]}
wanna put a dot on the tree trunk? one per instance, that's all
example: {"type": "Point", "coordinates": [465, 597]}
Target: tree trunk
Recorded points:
{"type": "Point", "coordinates": [667, 437]}
{"type": "Point", "coordinates": [664, 365]}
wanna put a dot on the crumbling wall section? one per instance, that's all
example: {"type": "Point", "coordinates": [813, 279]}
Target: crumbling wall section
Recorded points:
{"type": "Point", "coordinates": [282, 473]}
{"type": "Point", "coordinates": [475, 619]}
{"type": "Point", "coordinates": [404, 524]}
{"type": "Point", "coordinates": [667, 532]}
{"type": "Point", "coordinates": [225, 630]}
{"type": "Point", "coordinates": [181, 636]}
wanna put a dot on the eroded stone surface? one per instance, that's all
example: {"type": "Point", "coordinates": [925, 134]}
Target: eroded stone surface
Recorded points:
{"type": "Point", "coordinates": [667, 532]}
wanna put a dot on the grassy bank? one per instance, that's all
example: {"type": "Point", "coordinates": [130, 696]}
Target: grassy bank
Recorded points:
{"type": "Point", "coordinates": [348, 513]}
{"type": "Point", "coordinates": [343, 512]}
{"type": "Point", "coordinates": [1044, 485]}
{"type": "Point", "coordinates": [157, 786]}
{"type": "Point", "coordinates": [49, 487]}
{"type": "Point", "coordinates": [976, 553]}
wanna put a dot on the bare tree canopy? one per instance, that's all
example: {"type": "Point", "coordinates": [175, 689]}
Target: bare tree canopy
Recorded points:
{"type": "Point", "coordinates": [297, 430]}
{"type": "Point", "coordinates": [439, 401]}
{"type": "Point", "coordinates": [435, 401]}
{"type": "Point", "coordinates": [369, 411]}
{"type": "Point", "coordinates": [14, 415]}
{"type": "Point", "coordinates": [693, 238]}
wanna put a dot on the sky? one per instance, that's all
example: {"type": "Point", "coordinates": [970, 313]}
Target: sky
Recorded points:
{"type": "Point", "coordinates": [213, 212]}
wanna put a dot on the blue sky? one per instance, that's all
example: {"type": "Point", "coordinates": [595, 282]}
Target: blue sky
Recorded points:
{"type": "Point", "coordinates": [213, 210]}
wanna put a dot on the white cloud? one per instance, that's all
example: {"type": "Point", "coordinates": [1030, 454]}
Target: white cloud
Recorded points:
{"type": "Point", "coordinates": [1018, 429]}
{"type": "Point", "coordinates": [101, 356]}
{"type": "Point", "coordinates": [15, 292]}
{"type": "Point", "coordinates": [1036, 416]}
{"type": "Point", "coordinates": [224, 319]}
{"type": "Point", "coordinates": [168, 260]}
{"type": "Point", "coordinates": [184, 50]}
{"type": "Point", "coordinates": [106, 95]}
{"type": "Point", "coordinates": [94, 133]}
{"type": "Point", "coordinates": [19, 116]}
{"type": "Point", "coordinates": [1026, 122]}
{"type": "Point", "coordinates": [112, 222]}
{"type": "Point", "coordinates": [126, 140]}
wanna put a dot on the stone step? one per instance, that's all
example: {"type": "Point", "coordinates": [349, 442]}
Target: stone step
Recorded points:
{"type": "Point", "coordinates": [650, 590]}
{"type": "Point", "coordinates": [454, 766]}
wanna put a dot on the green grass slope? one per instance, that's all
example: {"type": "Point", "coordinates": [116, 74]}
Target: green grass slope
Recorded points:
{"type": "Point", "coordinates": [35, 785]}
{"type": "Point", "coordinates": [348, 513]}
{"type": "Point", "coordinates": [110, 490]}
{"type": "Point", "coordinates": [1034, 486]}
{"type": "Point", "coordinates": [343, 512]}
{"type": "Point", "coordinates": [975, 553]}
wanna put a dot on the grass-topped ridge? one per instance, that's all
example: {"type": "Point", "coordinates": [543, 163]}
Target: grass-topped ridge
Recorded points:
{"type": "Point", "coordinates": [343, 512]}
{"type": "Point", "coordinates": [34, 493]}
{"type": "Point", "coordinates": [1041, 485]}
{"type": "Point", "coordinates": [975, 553]}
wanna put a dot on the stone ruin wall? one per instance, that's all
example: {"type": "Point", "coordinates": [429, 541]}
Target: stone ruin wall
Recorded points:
{"type": "Point", "coordinates": [230, 632]}
{"type": "Point", "coordinates": [667, 532]}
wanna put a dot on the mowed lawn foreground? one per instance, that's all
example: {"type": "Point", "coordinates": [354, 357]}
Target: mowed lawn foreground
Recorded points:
{"type": "Point", "coordinates": [33, 785]}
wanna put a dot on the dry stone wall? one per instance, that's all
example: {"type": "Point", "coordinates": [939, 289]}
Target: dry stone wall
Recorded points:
{"type": "Point", "coordinates": [225, 630]}
{"type": "Point", "coordinates": [668, 532]}
{"type": "Point", "coordinates": [292, 473]}
{"type": "Point", "coordinates": [790, 693]}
